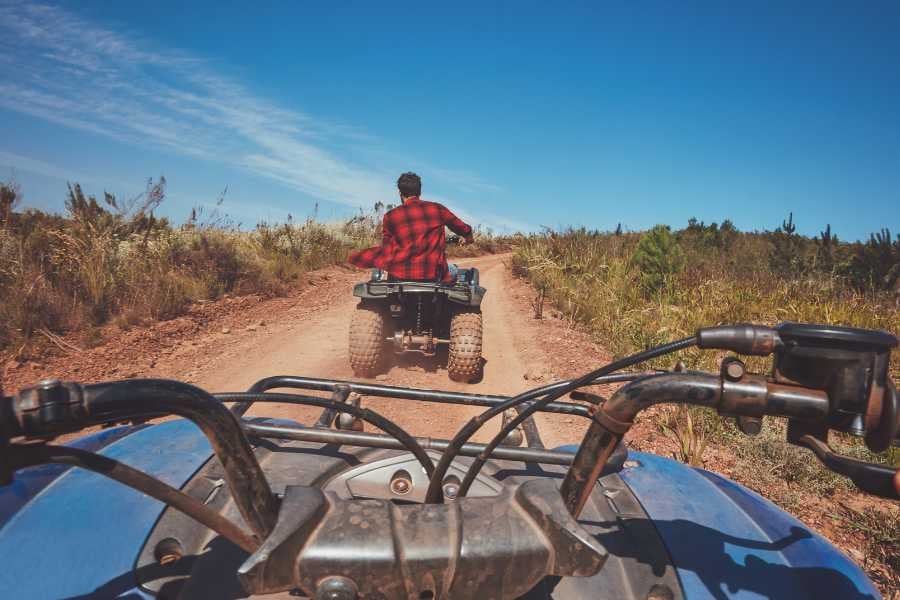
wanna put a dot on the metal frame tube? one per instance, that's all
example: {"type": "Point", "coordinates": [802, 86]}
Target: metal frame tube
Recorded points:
{"type": "Point", "coordinates": [615, 417]}
{"type": "Point", "coordinates": [550, 394]}
{"type": "Point", "coordinates": [439, 396]}
{"type": "Point", "coordinates": [374, 440]}
{"type": "Point", "coordinates": [750, 396]}
{"type": "Point", "coordinates": [386, 425]}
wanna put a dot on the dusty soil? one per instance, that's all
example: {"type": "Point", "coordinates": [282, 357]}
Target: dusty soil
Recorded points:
{"type": "Point", "coordinates": [229, 344]}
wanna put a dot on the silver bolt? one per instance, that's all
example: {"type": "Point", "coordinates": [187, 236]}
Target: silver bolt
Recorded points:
{"type": "Point", "coordinates": [734, 370]}
{"type": "Point", "coordinates": [401, 486]}
{"type": "Point", "coordinates": [451, 490]}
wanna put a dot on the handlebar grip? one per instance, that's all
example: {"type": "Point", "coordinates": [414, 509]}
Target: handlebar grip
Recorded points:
{"type": "Point", "coordinates": [753, 340]}
{"type": "Point", "coordinates": [887, 431]}
{"type": "Point", "coordinates": [50, 408]}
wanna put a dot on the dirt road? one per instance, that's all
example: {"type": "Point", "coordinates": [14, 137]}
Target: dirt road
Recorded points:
{"type": "Point", "coordinates": [229, 344]}
{"type": "Point", "coordinates": [314, 343]}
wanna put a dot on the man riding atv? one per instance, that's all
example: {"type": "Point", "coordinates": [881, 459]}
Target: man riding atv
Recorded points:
{"type": "Point", "coordinates": [415, 300]}
{"type": "Point", "coordinates": [413, 246]}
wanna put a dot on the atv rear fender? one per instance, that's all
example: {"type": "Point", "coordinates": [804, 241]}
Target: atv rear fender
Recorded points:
{"type": "Point", "coordinates": [465, 291]}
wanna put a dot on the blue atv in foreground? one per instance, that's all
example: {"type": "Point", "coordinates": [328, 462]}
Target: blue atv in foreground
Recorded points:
{"type": "Point", "coordinates": [219, 505]}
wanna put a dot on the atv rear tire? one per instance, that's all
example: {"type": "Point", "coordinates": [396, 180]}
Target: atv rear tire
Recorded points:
{"type": "Point", "coordinates": [366, 341]}
{"type": "Point", "coordinates": [464, 361]}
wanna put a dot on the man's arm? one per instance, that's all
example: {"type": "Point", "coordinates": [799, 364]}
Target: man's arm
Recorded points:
{"type": "Point", "coordinates": [456, 225]}
{"type": "Point", "coordinates": [374, 257]}
{"type": "Point", "coordinates": [365, 259]}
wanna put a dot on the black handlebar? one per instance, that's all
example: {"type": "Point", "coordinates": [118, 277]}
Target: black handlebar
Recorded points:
{"type": "Point", "coordinates": [732, 393]}
{"type": "Point", "coordinates": [53, 407]}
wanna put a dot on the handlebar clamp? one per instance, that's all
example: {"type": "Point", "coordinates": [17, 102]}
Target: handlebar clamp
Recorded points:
{"type": "Point", "coordinates": [50, 408]}
{"type": "Point", "coordinates": [455, 550]}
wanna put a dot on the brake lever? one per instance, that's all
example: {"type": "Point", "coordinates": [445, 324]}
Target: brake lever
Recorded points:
{"type": "Point", "coordinates": [878, 480]}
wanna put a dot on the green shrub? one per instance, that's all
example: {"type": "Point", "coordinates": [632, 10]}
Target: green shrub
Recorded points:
{"type": "Point", "coordinates": [658, 257]}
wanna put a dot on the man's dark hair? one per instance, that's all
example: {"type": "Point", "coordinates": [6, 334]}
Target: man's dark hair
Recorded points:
{"type": "Point", "coordinates": [409, 184]}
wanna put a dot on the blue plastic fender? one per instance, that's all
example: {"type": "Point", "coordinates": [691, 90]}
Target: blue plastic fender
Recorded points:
{"type": "Point", "coordinates": [728, 542]}
{"type": "Point", "coordinates": [29, 482]}
{"type": "Point", "coordinates": [80, 535]}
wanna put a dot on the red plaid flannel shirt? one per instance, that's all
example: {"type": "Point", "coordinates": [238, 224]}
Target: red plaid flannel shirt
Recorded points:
{"type": "Point", "coordinates": [413, 243]}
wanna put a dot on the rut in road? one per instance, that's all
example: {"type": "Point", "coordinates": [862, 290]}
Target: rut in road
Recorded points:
{"type": "Point", "coordinates": [316, 346]}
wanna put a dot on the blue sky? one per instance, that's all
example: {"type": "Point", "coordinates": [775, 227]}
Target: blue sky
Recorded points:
{"type": "Point", "coordinates": [517, 115]}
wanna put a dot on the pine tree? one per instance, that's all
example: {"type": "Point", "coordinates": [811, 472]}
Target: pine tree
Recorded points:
{"type": "Point", "coordinates": [658, 257]}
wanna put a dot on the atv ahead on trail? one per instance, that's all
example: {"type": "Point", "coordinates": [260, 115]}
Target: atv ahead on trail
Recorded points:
{"type": "Point", "coordinates": [221, 505]}
{"type": "Point", "coordinates": [417, 316]}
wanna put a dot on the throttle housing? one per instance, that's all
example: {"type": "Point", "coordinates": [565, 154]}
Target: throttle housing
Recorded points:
{"type": "Point", "coordinates": [852, 367]}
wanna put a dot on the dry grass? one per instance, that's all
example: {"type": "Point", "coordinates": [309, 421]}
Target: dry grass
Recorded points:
{"type": "Point", "coordinates": [108, 261]}
{"type": "Point", "coordinates": [685, 426]}
{"type": "Point", "coordinates": [881, 557]}
{"type": "Point", "coordinates": [593, 280]}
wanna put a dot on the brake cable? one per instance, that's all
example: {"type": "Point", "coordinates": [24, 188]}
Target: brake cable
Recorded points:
{"type": "Point", "coordinates": [552, 391]}
{"type": "Point", "coordinates": [366, 414]}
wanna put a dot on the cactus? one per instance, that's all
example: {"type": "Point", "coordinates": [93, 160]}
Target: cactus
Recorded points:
{"type": "Point", "coordinates": [788, 226]}
{"type": "Point", "coordinates": [787, 254]}
{"type": "Point", "coordinates": [826, 248]}
{"type": "Point", "coordinates": [876, 263]}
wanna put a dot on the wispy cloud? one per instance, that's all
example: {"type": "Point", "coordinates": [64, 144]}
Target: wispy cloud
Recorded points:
{"type": "Point", "coordinates": [77, 74]}
{"type": "Point", "coordinates": [80, 75]}
{"type": "Point", "coordinates": [463, 180]}
{"type": "Point", "coordinates": [16, 162]}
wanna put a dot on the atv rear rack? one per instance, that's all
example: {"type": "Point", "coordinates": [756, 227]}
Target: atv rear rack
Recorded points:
{"type": "Point", "coordinates": [467, 293]}
{"type": "Point", "coordinates": [340, 389]}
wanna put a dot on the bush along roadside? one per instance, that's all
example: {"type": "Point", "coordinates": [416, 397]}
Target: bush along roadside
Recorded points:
{"type": "Point", "coordinates": [107, 260]}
